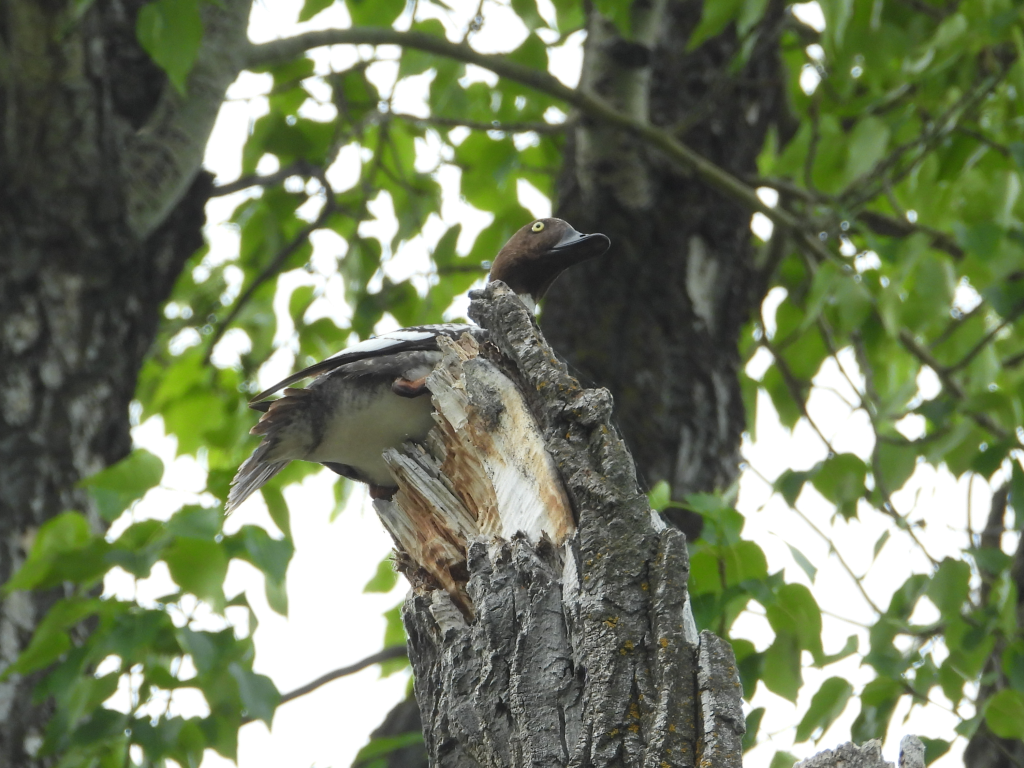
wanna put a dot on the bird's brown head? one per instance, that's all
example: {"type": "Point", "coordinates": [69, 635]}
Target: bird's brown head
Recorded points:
{"type": "Point", "coordinates": [540, 252]}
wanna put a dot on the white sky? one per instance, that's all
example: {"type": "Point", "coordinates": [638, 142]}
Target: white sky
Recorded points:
{"type": "Point", "coordinates": [331, 623]}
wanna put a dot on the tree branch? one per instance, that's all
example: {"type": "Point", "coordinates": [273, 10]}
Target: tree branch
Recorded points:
{"type": "Point", "coordinates": [983, 420]}
{"type": "Point", "coordinates": [298, 168]}
{"type": "Point", "coordinates": [162, 159]}
{"type": "Point", "coordinates": [689, 160]}
{"type": "Point", "coordinates": [394, 652]}
{"type": "Point", "coordinates": [272, 269]}
{"type": "Point", "coordinates": [451, 122]}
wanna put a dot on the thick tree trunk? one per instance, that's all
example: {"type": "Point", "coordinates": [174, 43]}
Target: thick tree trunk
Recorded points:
{"type": "Point", "coordinates": [80, 286]}
{"type": "Point", "coordinates": [571, 643]}
{"type": "Point", "coordinates": [658, 320]}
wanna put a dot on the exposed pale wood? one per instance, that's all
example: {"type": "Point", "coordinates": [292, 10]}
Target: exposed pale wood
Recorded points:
{"type": "Point", "coordinates": [485, 472]}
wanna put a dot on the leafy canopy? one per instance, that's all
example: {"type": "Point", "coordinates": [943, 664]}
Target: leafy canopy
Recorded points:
{"type": "Point", "coordinates": [905, 167]}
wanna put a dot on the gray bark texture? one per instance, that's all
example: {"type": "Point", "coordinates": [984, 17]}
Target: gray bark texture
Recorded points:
{"type": "Point", "coordinates": [682, 266]}
{"type": "Point", "coordinates": [868, 755]}
{"type": "Point", "coordinates": [80, 287]}
{"type": "Point", "coordinates": [579, 653]}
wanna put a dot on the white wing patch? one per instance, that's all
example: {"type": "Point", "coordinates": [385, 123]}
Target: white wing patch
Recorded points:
{"type": "Point", "coordinates": [386, 340]}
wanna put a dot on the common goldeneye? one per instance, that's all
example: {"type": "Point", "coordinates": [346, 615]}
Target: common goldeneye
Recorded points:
{"type": "Point", "coordinates": [373, 396]}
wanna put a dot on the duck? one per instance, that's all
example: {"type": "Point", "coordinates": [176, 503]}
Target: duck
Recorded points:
{"type": "Point", "coordinates": [373, 395]}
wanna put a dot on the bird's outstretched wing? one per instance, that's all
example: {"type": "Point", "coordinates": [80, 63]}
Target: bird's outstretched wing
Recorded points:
{"type": "Point", "coordinates": [414, 339]}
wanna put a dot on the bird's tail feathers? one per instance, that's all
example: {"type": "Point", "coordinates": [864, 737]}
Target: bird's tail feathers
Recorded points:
{"type": "Point", "coordinates": [250, 477]}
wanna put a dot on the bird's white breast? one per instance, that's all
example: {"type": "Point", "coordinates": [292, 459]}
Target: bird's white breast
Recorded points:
{"type": "Point", "coordinates": [358, 432]}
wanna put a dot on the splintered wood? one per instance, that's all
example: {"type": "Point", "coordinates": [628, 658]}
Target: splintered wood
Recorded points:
{"type": "Point", "coordinates": [484, 472]}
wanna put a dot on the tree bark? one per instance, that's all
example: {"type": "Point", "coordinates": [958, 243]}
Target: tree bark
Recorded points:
{"type": "Point", "coordinates": [658, 320]}
{"type": "Point", "coordinates": [566, 646]}
{"type": "Point", "coordinates": [80, 287]}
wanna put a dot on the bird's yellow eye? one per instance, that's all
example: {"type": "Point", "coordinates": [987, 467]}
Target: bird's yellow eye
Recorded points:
{"type": "Point", "coordinates": [538, 226]}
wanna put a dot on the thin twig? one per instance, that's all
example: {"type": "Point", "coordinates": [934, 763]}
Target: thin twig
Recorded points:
{"type": "Point", "coordinates": [475, 125]}
{"type": "Point", "coordinates": [272, 268]}
{"type": "Point", "coordinates": [298, 168]}
{"type": "Point", "coordinates": [954, 387]}
{"type": "Point", "coordinates": [831, 545]}
{"type": "Point", "coordinates": [394, 652]}
{"type": "Point", "coordinates": [592, 106]}
{"type": "Point", "coordinates": [977, 348]}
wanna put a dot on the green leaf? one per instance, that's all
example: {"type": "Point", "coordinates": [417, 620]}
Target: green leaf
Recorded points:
{"type": "Point", "coordinates": [827, 704]}
{"type": "Point", "coordinates": [59, 538]}
{"type": "Point", "coordinates": [803, 562]}
{"type": "Point", "coordinates": [394, 634]}
{"type": "Point", "coordinates": [618, 12]}
{"type": "Point", "coordinates": [278, 509]}
{"type": "Point", "coordinates": [753, 723]}
{"type": "Point", "coordinates": [781, 670]}
{"type": "Point", "coordinates": [270, 555]}
{"type": "Point", "coordinates": [170, 31]}
{"type": "Point", "coordinates": [866, 146]}
{"type": "Point", "coordinates": [1016, 498]}
{"type": "Point", "coordinates": [896, 463]}
{"type": "Point", "coordinates": [790, 483]}
{"type": "Point", "coordinates": [117, 486]}
{"type": "Point", "coordinates": [660, 496]}
{"type": "Point", "coordinates": [374, 13]}
{"type": "Point", "coordinates": [312, 7]}
{"type": "Point", "coordinates": [877, 702]}
{"type": "Point", "coordinates": [199, 567]}
{"type": "Point", "coordinates": [527, 12]}
{"type": "Point", "coordinates": [384, 579]}
{"type": "Point", "coordinates": [714, 17]}
{"type": "Point", "coordinates": [783, 760]}
{"type": "Point", "coordinates": [258, 693]}
{"type": "Point", "coordinates": [840, 479]}
{"type": "Point", "coordinates": [744, 561]}
{"type": "Point", "coordinates": [374, 752]}
{"type": "Point", "coordinates": [796, 612]}
{"type": "Point", "coordinates": [1004, 714]}
{"type": "Point", "coordinates": [569, 14]}
{"type": "Point", "coordinates": [949, 586]}
{"type": "Point", "coordinates": [934, 749]}
{"type": "Point", "coordinates": [195, 522]}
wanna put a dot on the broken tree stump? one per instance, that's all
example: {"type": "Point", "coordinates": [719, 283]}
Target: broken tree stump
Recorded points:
{"type": "Point", "coordinates": [549, 622]}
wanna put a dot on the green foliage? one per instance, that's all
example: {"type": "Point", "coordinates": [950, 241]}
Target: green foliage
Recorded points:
{"type": "Point", "coordinates": [144, 645]}
{"type": "Point", "coordinates": [171, 32]}
{"type": "Point", "coordinates": [907, 157]}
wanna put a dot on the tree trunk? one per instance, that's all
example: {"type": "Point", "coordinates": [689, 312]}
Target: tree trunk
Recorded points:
{"type": "Point", "coordinates": [80, 286]}
{"type": "Point", "coordinates": [544, 633]}
{"type": "Point", "coordinates": [658, 320]}
{"type": "Point", "coordinates": [570, 643]}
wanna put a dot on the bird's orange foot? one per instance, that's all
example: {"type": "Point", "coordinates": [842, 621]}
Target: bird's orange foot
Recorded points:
{"type": "Point", "coordinates": [409, 387]}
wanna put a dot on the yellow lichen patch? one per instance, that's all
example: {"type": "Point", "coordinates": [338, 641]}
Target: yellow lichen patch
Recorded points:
{"type": "Point", "coordinates": [671, 728]}
{"type": "Point", "coordinates": [644, 586]}
{"type": "Point", "coordinates": [612, 621]}
{"type": "Point", "coordinates": [663, 642]}
{"type": "Point", "coordinates": [634, 711]}
{"type": "Point", "coordinates": [634, 728]}
{"type": "Point", "coordinates": [665, 765]}
{"type": "Point", "coordinates": [628, 645]}
{"type": "Point", "coordinates": [613, 732]}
